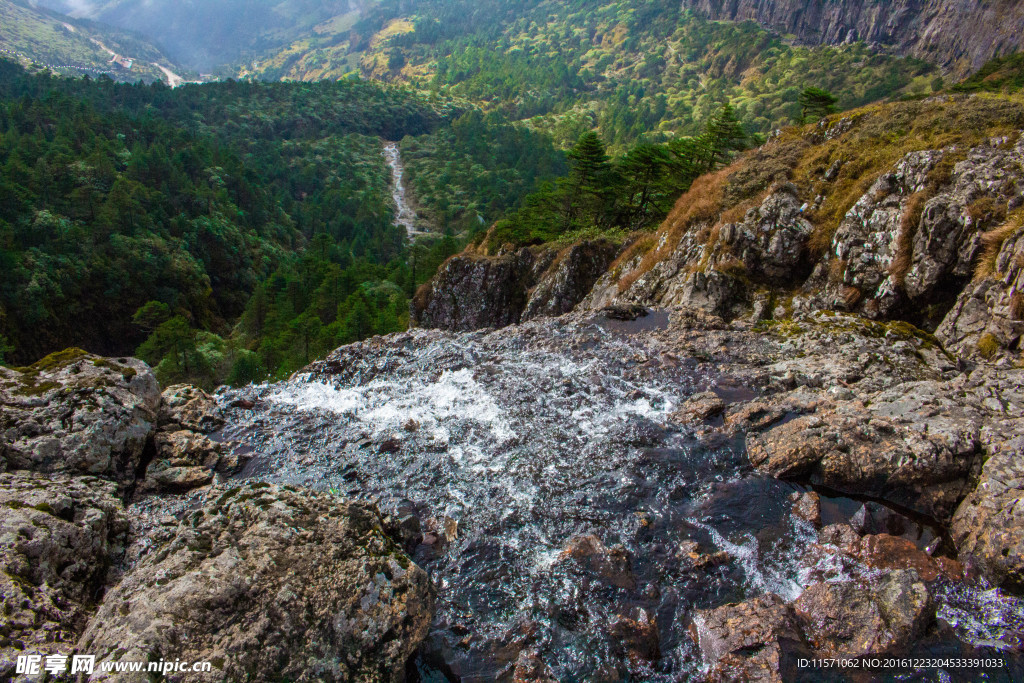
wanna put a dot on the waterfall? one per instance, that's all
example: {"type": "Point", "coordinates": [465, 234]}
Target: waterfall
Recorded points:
{"type": "Point", "coordinates": [405, 216]}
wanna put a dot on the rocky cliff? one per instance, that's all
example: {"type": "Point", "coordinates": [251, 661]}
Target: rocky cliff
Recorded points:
{"type": "Point", "coordinates": [959, 35]}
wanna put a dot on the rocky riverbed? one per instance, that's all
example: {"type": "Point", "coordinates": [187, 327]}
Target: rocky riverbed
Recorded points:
{"type": "Point", "coordinates": [629, 495]}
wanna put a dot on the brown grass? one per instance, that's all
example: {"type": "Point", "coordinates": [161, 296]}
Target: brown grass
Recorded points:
{"type": "Point", "coordinates": [1017, 306]}
{"type": "Point", "coordinates": [992, 242]}
{"type": "Point", "coordinates": [702, 203]}
{"type": "Point", "coordinates": [851, 296]}
{"type": "Point", "coordinates": [904, 255]}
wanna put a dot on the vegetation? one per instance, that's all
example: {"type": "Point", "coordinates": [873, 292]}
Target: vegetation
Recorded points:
{"type": "Point", "coordinates": [46, 40]}
{"type": "Point", "coordinates": [868, 143]}
{"type": "Point", "coordinates": [636, 191]}
{"type": "Point", "coordinates": [634, 71]}
{"type": "Point", "coordinates": [137, 216]}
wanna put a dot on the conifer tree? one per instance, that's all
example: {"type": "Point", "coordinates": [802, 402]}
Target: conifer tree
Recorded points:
{"type": "Point", "coordinates": [816, 103]}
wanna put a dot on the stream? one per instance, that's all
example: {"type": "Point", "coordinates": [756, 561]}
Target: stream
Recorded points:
{"type": "Point", "coordinates": [517, 448]}
{"type": "Point", "coordinates": [405, 216]}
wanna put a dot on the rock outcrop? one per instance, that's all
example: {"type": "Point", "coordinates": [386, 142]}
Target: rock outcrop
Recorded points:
{"type": "Point", "coordinates": [716, 273]}
{"type": "Point", "coordinates": [959, 35]}
{"type": "Point", "coordinates": [472, 292]}
{"type": "Point", "coordinates": [77, 413]}
{"type": "Point", "coordinates": [59, 536]}
{"type": "Point", "coordinates": [912, 241]}
{"type": "Point", "coordinates": [271, 582]}
{"type": "Point", "coordinates": [988, 317]}
{"type": "Point", "coordinates": [918, 444]}
{"type": "Point", "coordinates": [183, 456]}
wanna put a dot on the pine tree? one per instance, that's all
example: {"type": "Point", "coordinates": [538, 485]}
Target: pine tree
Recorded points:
{"type": "Point", "coordinates": [725, 135]}
{"type": "Point", "coordinates": [816, 103]}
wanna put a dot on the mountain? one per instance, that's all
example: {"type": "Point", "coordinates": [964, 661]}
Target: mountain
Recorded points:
{"type": "Point", "coordinates": [958, 35]}
{"type": "Point", "coordinates": [205, 35]}
{"type": "Point", "coordinates": [42, 38]}
{"type": "Point", "coordinates": [632, 70]}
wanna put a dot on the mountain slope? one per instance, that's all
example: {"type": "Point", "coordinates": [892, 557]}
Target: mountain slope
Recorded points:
{"type": "Point", "coordinates": [205, 35]}
{"type": "Point", "coordinates": [34, 35]}
{"type": "Point", "coordinates": [631, 69]}
{"type": "Point", "coordinates": [958, 35]}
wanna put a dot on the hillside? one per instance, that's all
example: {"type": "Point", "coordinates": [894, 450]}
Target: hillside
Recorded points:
{"type": "Point", "coordinates": [907, 211]}
{"type": "Point", "coordinates": [207, 35]}
{"type": "Point", "coordinates": [230, 231]}
{"type": "Point", "coordinates": [958, 35]}
{"type": "Point", "coordinates": [632, 70]}
{"type": "Point", "coordinates": [40, 38]}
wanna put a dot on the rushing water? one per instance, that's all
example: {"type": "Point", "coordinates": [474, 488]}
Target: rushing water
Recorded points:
{"type": "Point", "coordinates": [508, 445]}
{"type": "Point", "coordinates": [404, 214]}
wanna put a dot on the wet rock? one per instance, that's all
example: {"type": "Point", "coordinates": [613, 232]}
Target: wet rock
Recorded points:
{"type": "Point", "coordinates": [271, 582]}
{"type": "Point", "coordinates": [611, 565]}
{"type": "Point", "coordinates": [637, 635]}
{"type": "Point", "coordinates": [73, 412]}
{"type": "Point", "coordinates": [902, 448]}
{"type": "Point", "coordinates": [59, 536]}
{"type": "Point", "coordinates": [855, 618]}
{"type": "Point", "coordinates": [889, 553]}
{"type": "Point", "coordinates": [746, 641]}
{"type": "Point", "coordinates": [624, 311]}
{"type": "Point", "coordinates": [807, 506]}
{"type": "Point", "coordinates": [185, 407]}
{"type": "Point", "coordinates": [700, 407]}
{"type": "Point", "coordinates": [530, 668]}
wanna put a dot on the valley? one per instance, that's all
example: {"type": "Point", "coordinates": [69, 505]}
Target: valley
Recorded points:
{"type": "Point", "coordinates": [439, 341]}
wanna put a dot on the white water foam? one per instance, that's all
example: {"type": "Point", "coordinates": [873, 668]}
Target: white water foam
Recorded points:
{"type": "Point", "coordinates": [385, 406]}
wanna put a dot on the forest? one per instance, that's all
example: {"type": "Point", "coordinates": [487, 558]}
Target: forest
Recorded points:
{"type": "Point", "coordinates": [633, 71]}
{"type": "Point", "coordinates": [225, 232]}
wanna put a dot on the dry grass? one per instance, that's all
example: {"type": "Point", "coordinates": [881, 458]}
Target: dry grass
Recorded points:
{"type": "Point", "coordinates": [1017, 306]}
{"type": "Point", "coordinates": [701, 204]}
{"type": "Point", "coordinates": [992, 242]}
{"type": "Point", "coordinates": [904, 255]}
{"type": "Point", "coordinates": [881, 135]}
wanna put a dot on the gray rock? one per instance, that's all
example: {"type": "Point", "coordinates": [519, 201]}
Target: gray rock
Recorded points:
{"type": "Point", "coordinates": [59, 536]}
{"type": "Point", "coordinates": [987, 320]}
{"type": "Point", "coordinates": [988, 527]}
{"type": "Point", "coordinates": [271, 582]}
{"type": "Point", "coordinates": [183, 406]}
{"type": "Point", "coordinates": [472, 291]}
{"type": "Point", "coordinates": [78, 413]}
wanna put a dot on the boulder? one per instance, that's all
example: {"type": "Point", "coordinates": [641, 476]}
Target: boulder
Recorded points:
{"type": "Point", "coordinates": [987, 320]}
{"type": "Point", "coordinates": [988, 527]}
{"type": "Point", "coordinates": [914, 445]}
{"type": "Point", "coordinates": [748, 640]}
{"type": "Point", "coordinates": [185, 407]}
{"type": "Point", "coordinates": [59, 536]}
{"type": "Point", "coordinates": [611, 565]}
{"type": "Point", "coordinates": [858, 618]}
{"type": "Point", "coordinates": [73, 412]}
{"type": "Point", "coordinates": [184, 460]}
{"type": "Point", "coordinates": [270, 582]}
